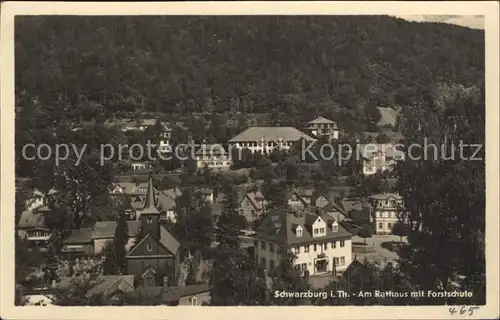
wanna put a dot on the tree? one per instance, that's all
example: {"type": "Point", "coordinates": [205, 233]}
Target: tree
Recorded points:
{"type": "Point", "coordinates": [110, 265]}
{"type": "Point", "coordinates": [120, 242]}
{"type": "Point", "coordinates": [400, 229]}
{"type": "Point", "coordinates": [365, 232]}
{"type": "Point", "coordinates": [286, 277]}
{"type": "Point", "coordinates": [449, 193]}
{"type": "Point", "coordinates": [194, 223]}
{"type": "Point", "coordinates": [235, 278]}
{"type": "Point", "coordinates": [78, 294]}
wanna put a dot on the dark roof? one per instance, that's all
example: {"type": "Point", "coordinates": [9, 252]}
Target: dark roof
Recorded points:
{"type": "Point", "coordinates": [106, 229]}
{"type": "Point", "coordinates": [32, 219]}
{"type": "Point", "coordinates": [278, 224]}
{"type": "Point", "coordinates": [168, 240]}
{"type": "Point", "coordinates": [271, 134]}
{"type": "Point", "coordinates": [175, 293]}
{"type": "Point", "coordinates": [83, 235]}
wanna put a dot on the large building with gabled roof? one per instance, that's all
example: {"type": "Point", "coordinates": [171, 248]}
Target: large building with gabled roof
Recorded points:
{"type": "Point", "coordinates": [265, 140]}
{"type": "Point", "coordinates": [321, 126]}
{"type": "Point", "coordinates": [156, 248]}
{"type": "Point", "coordinates": [319, 243]}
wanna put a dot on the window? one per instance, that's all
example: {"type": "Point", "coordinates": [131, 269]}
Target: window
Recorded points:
{"type": "Point", "coordinates": [194, 300]}
{"type": "Point", "coordinates": [306, 248]}
{"type": "Point", "coordinates": [150, 281]}
{"type": "Point", "coordinates": [150, 220]}
{"type": "Point", "coordinates": [335, 227]}
{"type": "Point", "coordinates": [272, 265]}
{"type": "Point", "coordinates": [389, 225]}
{"type": "Point", "coordinates": [149, 247]}
{"type": "Point", "coordinates": [271, 247]}
{"type": "Point", "coordinates": [334, 244]}
{"type": "Point", "coordinates": [342, 243]}
{"type": "Point", "coordinates": [263, 245]}
{"type": "Point", "coordinates": [380, 225]}
{"type": "Point", "coordinates": [322, 230]}
{"type": "Point", "coordinates": [263, 262]}
{"type": "Point", "coordinates": [315, 231]}
{"type": "Point", "coordinates": [342, 261]}
{"type": "Point", "coordinates": [315, 247]}
{"type": "Point", "coordinates": [299, 232]}
{"type": "Point", "coordinates": [325, 245]}
{"type": "Point", "coordinates": [336, 261]}
{"type": "Point", "coordinates": [296, 250]}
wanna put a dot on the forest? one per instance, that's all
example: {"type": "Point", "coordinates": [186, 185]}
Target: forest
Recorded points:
{"type": "Point", "coordinates": [77, 68]}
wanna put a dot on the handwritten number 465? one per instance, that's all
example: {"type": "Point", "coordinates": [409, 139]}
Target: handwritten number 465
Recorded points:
{"type": "Point", "coordinates": [463, 310]}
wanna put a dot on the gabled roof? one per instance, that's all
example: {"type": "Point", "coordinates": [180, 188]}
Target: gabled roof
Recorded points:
{"type": "Point", "coordinates": [271, 134]}
{"type": "Point", "coordinates": [287, 219]}
{"type": "Point", "coordinates": [32, 219]}
{"type": "Point", "coordinates": [83, 235]}
{"type": "Point", "coordinates": [106, 229]}
{"type": "Point", "coordinates": [296, 193]}
{"type": "Point", "coordinates": [166, 240]}
{"type": "Point", "coordinates": [256, 199]}
{"type": "Point", "coordinates": [386, 196]}
{"type": "Point", "coordinates": [321, 120]}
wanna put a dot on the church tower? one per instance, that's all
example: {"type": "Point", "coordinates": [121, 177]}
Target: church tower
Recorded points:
{"type": "Point", "coordinates": [150, 216]}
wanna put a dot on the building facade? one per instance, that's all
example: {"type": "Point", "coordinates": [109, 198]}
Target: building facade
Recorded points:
{"type": "Point", "coordinates": [253, 205]}
{"type": "Point", "coordinates": [266, 140]}
{"type": "Point", "coordinates": [214, 157]}
{"type": "Point", "coordinates": [377, 157]}
{"type": "Point", "coordinates": [321, 127]}
{"type": "Point", "coordinates": [319, 243]}
{"type": "Point", "coordinates": [156, 248]}
{"type": "Point", "coordinates": [386, 211]}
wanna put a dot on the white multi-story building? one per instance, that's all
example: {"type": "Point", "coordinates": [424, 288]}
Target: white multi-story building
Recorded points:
{"type": "Point", "coordinates": [321, 126]}
{"type": "Point", "coordinates": [265, 140]}
{"type": "Point", "coordinates": [213, 156]}
{"type": "Point", "coordinates": [386, 213]}
{"type": "Point", "coordinates": [319, 243]}
{"type": "Point", "coordinates": [377, 157]}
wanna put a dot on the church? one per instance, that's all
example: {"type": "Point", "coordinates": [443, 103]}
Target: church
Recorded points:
{"type": "Point", "coordinates": [156, 249]}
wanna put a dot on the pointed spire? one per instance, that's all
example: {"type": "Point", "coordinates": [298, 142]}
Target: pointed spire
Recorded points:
{"type": "Point", "coordinates": [150, 203]}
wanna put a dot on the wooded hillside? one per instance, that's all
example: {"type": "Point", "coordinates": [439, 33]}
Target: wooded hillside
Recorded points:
{"type": "Point", "coordinates": [78, 68]}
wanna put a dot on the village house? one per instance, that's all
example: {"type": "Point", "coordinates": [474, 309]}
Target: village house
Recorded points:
{"type": "Point", "coordinates": [189, 295]}
{"type": "Point", "coordinates": [378, 157]}
{"type": "Point", "coordinates": [387, 208]}
{"type": "Point", "coordinates": [321, 127]}
{"type": "Point", "coordinates": [156, 248]}
{"type": "Point", "coordinates": [320, 244]}
{"type": "Point", "coordinates": [79, 242]}
{"type": "Point", "coordinates": [103, 234]}
{"type": "Point", "coordinates": [212, 156]}
{"type": "Point", "coordinates": [266, 140]}
{"type": "Point", "coordinates": [299, 199]}
{"type": "Point", "coordinates": [111, 287]}
{"type": "Point", "coordinates": [32, 228]}
{"type": "Point", "coordinates": [358, 210]}
{"type": "Point", "coordinates": [252, 205]}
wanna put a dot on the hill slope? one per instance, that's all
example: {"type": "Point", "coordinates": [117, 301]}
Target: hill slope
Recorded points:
{"type": "Point", "coordinates": [83, 67]}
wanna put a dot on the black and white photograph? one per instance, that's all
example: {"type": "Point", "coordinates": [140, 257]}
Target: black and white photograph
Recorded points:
{"type": "Point", "coordinates": [210, 157]}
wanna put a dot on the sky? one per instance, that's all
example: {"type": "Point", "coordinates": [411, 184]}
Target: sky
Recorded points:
{"type": "Point", "coordinates": [474, 22]}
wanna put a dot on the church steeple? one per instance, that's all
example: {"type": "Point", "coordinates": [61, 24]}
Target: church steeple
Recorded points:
{"type": "Point", "coordinates": [150, 201]}
{"type": "Point", "coordinates": [150, 216]}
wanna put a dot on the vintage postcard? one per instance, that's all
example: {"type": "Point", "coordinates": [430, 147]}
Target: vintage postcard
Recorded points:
{"type": "Point", "coordinates": [320, 160]}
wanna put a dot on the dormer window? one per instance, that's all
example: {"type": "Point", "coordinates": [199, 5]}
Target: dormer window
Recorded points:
{"type": "Point", "coordinates": [335, 227]}
{"type": "Point", "coordinates": [298, 231]}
